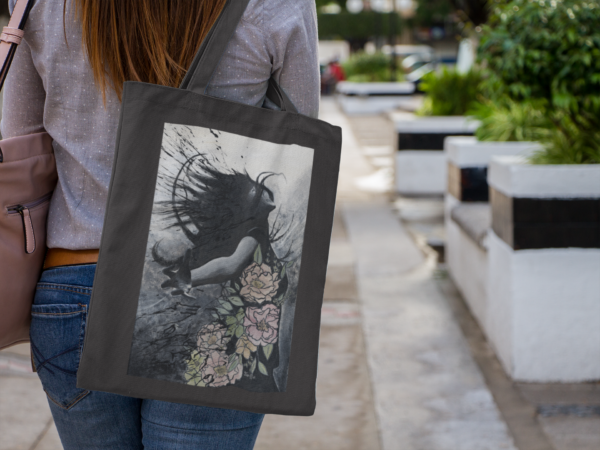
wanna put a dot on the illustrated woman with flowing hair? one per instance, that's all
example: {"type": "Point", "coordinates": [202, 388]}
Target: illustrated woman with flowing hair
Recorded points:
{"type": "Point", "coordinates": [67, 79]}
{"type": "Point", "coordinates": [224, 216]}
{"type": "Point", "coordinates": [229, 213]}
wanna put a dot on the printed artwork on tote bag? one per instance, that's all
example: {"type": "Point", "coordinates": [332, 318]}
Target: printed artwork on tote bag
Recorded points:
{"type": "Point", "coordinates": [222, 261]}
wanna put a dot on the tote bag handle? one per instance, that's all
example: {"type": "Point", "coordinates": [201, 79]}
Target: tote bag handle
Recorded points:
{"type": "Point", "coordinates": [212, 49]}
{"type": "Point", "coordinates": [11, 36]}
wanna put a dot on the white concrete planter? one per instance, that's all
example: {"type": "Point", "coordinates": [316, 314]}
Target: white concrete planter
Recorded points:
{"type": "Point", "coordinates": [467, 151]}
{"type": "Point", "coordinates": [543, 312]}
{"type": "Point", "coordinates": [466, 253]}
{"type": "Point", "coordinates": [420, 160]}
{"type": "Point", "coordinates": [468, 160]}
{"type": "Point", "coordinates": [466, 257]}
{"type": "Point", "coordinates": [372, 98]}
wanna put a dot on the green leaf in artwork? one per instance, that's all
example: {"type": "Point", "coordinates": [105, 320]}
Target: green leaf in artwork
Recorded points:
{"type": "Point", "coordinates": [262, 369]}
{"type": "Point", "coordinates": [282, 273]}
{"type": "Point", "coordinates": [230, 290]}
{"type": "Point", "coordinates": [289, 263]}
{"type": "Point", "coordinates": [229, 320]}
{"type": "Point", "coordinates": [196, 381]}
{"type": "Point", "coordinates": [225, 304]}
{"type": "Point", "coordinates": [214, 315]}
{"type": "Point", "coordinates": [235, 360]}
{"type": "Point", "coordinates": [240, 313]}
{"type": "Point", "coordinates": [239, 331]}
{"type": "Point", "coordinates": [236, 301]}
{"type": "Point", "coordinates": [258, 258]}
{"type": "Point", "coordinates": [236, 286]}
{"type": "Point", "coordinates": [267, 350]}
{"type": "Point", "coordinates": [223, 311]}
{"type": "Point", "coordinates": [253, 366]}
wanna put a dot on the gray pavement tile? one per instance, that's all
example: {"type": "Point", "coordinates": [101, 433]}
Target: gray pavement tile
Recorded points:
{"type": "Point", "coordinates": [338, 231]}
{"type": "Point", "coordinates": [24, 412]}
{"type": "Point", "coordinates": [353, 163]}
{"type": "Point", "coordinates": [573, 433]}
{"type": "Point", "coordinates": [519, 415]}
{"type": "Point", "coordinates": [344, 418]}
{"type": "Point", "coordinates": [20, 350]}
{"type": "Point", "coordinates": [429, 394]}
{"type": "Point", "coordinates": [340, 284]}
{"type": "Point", "coordinates": [50, 440]}
{"type": "Point", "coordinates": [381, 245]}
{"type": "Point", "coordinates": [341, 253]}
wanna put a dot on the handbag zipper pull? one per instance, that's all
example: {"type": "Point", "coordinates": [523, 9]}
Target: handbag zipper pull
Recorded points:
{"type": "Point", "coordinates": [27, 228]}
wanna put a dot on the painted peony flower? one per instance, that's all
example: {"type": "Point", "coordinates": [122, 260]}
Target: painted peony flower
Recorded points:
{"type": "Point", "coordinates": [262, 324]}
{"type": "Point", "coordinates": [259, 283]}
{"type": "Point", "coordinates": [245, 347]}
{"type": "Point", "coordinates": [212, 337]}
{"type": "Point", "coordinates": [214, 372]}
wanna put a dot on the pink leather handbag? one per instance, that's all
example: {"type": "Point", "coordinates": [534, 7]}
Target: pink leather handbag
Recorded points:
{"type": "Point", "coordinates": [27, 179]}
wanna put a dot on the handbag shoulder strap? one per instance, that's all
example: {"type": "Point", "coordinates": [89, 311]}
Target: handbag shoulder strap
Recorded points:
{"type": "Point", "coordinates": [212, 49]}
{"type": "Point", "coordinates": [11, 36]}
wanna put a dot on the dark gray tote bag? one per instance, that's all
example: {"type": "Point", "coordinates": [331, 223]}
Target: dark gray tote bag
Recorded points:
{"type": "Point", "coordinates": [210, 279]}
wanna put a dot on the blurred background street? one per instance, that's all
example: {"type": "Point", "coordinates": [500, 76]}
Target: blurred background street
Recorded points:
{"type": "Point", "coordinates": [462, 303]}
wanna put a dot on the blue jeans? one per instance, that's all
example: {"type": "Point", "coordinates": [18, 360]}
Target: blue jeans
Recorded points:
{"type": "Point", "coordinates": [99, 420]}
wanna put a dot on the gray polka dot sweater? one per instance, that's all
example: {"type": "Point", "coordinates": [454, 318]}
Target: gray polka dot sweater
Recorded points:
{"type": "Point", "coordinates": [50, 86]}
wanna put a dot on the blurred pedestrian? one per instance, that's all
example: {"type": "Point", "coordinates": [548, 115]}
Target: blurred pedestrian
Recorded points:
{"type": "Point", "coordinates": [67, 79]}
{"type": "Point", "coordinates": [332, 75]}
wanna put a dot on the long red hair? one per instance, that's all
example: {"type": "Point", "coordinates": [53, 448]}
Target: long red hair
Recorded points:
{"type": "Point", "coordinates": [143, 40]}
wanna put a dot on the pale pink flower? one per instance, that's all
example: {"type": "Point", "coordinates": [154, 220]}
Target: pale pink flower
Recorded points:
{"type": "Point", "coordinates": [212, 337]}
{"type": "Point", "coordinates": [259, 283]}
{"type": "Point", "coordinates": [262, 324]}
{"type": "Point", "coordinates": [214, 372]}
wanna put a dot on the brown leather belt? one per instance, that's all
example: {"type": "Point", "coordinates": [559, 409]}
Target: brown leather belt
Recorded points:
{"type": "Point", "coordinates": [56, 257]}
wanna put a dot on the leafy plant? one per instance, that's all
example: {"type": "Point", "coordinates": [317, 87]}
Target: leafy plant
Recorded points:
{"type": "Point", "coordinates": [568, 145]}
{"type": "Point", "coordinates": [449, 92]}
{"type": "Point", "coordinates": [436, 12]}
{"type": "Point", "coordinates": [363, 25]}
{"type": "Point", "coordinates": [510, 121]}
{"type": "Point", "coordinates": [547, 53]}
{"type": "Point", "coordinates": [364, 67]}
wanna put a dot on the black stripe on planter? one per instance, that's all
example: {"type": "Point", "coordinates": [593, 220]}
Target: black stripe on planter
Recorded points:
{"type": "Point", "coordinates": [468, 184]}
{"type": "Point", "coordinates": [424, 141]}
{"type": "Point", "coordinates": [533, 223]}
{"type": "Point", "coordinates": [378, 94]}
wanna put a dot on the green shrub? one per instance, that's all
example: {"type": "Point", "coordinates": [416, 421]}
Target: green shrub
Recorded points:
{"type": "Point", "coordinates": [510, 121]}
{"type": "Point", "coordinates": [364, 67]}
{"type": "Point", "coordinates": [449, 93]}
{"type": "Point", "coordinates": [547, 53]}
{"type": "Point", "coordinates": [361, 26]}
{"type": "Point", "coordinates": [566, 144]}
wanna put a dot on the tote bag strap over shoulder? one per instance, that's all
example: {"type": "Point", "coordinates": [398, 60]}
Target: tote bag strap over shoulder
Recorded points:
{"type": "Point", "coordinates": [212, 49]}
{"type": "Point", "coordinates": [11, 36]}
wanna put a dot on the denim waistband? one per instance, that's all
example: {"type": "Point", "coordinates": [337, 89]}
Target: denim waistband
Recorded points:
{"type": "Point", "coordinates": [81, 275]}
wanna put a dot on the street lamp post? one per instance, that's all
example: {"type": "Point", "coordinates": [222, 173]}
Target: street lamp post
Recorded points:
{"type": "Point", "coordinates": [393, 66]}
